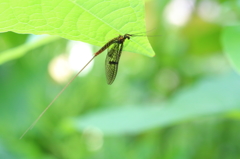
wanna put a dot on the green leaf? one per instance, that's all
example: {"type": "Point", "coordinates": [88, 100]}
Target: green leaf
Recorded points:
{"type": "Point", "coordinates": [213, 95]}
{"type": "Point", "coordinates": [231, 45]}
{"type": "Point", "coordinates": [91, 21]}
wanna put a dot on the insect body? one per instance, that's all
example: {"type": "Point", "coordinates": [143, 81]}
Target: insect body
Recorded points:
{"type": "Point", "coordinates": [115, 47]}
{"type": "Point", "coordinates": [113, 57]}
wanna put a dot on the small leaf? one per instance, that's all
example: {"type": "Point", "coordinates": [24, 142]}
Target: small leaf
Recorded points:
{"type": "Point", "coordinates": [94, 21]}
{"type": "Point", "coordinates": [21, 50]}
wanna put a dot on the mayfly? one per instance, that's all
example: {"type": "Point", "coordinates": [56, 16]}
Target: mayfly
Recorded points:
{"type": "Point", "coordinates": [114, 47]}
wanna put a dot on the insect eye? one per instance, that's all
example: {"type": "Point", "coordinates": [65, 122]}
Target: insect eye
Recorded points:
{"type": "Point", "coordinates": [127, 36]}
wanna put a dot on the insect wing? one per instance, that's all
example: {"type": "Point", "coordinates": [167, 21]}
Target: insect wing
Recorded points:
{"type": "Point", "coordinates": [112, 60]}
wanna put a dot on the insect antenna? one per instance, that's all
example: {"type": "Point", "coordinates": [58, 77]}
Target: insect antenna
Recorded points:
{"type": "Point", "coordinates": [71, 80]}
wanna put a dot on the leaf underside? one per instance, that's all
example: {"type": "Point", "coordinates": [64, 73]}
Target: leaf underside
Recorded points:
{"type": "Point", "coordinates": [94, 21]}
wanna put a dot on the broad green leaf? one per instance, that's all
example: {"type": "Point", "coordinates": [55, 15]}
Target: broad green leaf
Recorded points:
{"type": "Point", "coordinates": [91, 21]}
{"type": "Point", "coordinates": [213, 95]}
{"type": "Point", "coordinates": [231, 44]}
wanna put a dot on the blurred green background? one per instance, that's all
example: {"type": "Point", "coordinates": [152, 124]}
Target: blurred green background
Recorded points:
{"type": "Point", "coordinates": [182, 104]}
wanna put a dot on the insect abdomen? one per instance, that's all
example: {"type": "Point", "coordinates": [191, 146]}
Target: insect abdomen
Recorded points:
{"type": "Point", "coordinates": [106, 46]}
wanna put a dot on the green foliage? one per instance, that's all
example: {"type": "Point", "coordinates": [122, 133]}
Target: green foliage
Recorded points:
{"type": "Point", "coordinates": [94, 22]}
{"type": "Point", "coordinates": [184, 103]}
{"type": "Point", "coordinates": [21, 50]}
{"type": "Point", "coordinates": [208, 97]}
{"type": "Point", "coordinates": [231, 41]}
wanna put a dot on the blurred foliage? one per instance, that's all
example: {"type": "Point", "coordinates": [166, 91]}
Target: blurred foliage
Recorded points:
{"type": "Point", "coordinates": [183, 103]}
{"type": "Point", "coordinates": [231, 42]}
